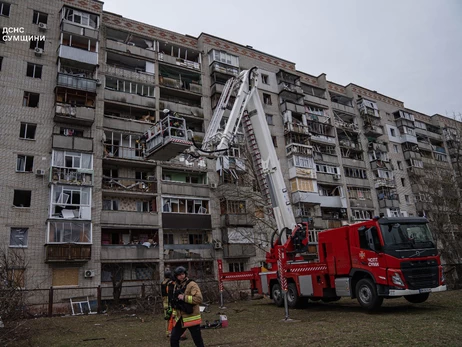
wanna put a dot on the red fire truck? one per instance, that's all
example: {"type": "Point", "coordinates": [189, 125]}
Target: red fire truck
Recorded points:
{"type": "Point", "coordinates": [370, 261]}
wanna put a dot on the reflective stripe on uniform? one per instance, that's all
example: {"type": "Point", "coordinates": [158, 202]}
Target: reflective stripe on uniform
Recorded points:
{"type": "Point", "coordinates": [191, 321]}
{"type": "Point", "coordinates": [188, 299]}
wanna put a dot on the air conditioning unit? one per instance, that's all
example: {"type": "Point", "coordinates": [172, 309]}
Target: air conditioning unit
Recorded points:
{"type": "Point", "coordinates": [42, 26]}
{"type": "Point", "coordinates": [217, 245]}
{"type": "Point", "coordinates": [336, 177]}
{"type": "Point", "coordinates": [213, 185]}
{"type": "Point", "coordinates": [98, 82]}
{"type": "Point", "coordinates": [38, 52]}
{"type": "Point", "coordinates": [89, 273]}
{"type": "Point", "coordinates": [40, 172]}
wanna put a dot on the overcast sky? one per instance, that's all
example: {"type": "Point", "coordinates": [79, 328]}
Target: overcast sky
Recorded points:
{"type": "Point", "coordinates": [410, 50]}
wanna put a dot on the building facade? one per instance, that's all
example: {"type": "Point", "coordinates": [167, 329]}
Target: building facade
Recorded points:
{"type": "Point", "coordinates": [83, 205]}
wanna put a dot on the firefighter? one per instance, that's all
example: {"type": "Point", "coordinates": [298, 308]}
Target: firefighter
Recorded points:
{"type": "Point", "coordinates": [166, 289]}
{"type": "Point", "coordinates": [186, 299]}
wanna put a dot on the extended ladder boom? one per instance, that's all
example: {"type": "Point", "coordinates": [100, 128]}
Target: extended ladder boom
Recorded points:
{"type": "Point", "coordinates": [248, 109]}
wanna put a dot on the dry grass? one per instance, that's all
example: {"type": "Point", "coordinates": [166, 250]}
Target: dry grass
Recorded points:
{"type": "Point", "coordinates": [437, 322]}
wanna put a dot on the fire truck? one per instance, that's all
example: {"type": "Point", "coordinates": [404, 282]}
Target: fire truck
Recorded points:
{"type": "Point", "coordinates": [372, 260]}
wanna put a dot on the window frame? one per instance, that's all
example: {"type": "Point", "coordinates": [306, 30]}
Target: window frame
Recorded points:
{"type": "Point", "coordinates": [15, 197]}
{"type": "Point", "coordinates": [26, 125]}
{"type": "Point", "coordinates": [12, 236]}
{"type": "Point", "coordinates": [27, 99]}
{"type": "Point", "coordinates": [34, 70]}
{"type": "Point", "coordinates": [36, 20]}
{"type": "Point", "coordinates": [24, 164]}
{"type": "Point", "coordinates": [2, 6]}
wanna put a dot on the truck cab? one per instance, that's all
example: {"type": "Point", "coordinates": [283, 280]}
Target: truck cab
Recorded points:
{"type": "Point", "coordinates": [383, 258]}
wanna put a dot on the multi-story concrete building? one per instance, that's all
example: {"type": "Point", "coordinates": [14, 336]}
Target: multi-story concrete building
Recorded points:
{"type": "Point", "coordinates": [82, 202]}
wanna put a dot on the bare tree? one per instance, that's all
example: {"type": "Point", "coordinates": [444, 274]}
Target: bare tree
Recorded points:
{"type": "Point", "coordinates": [440, 200]}
{"type": "Point", "coordinates": [13, 297]}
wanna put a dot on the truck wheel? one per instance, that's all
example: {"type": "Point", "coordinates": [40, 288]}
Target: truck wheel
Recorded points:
{"type": "Point", "coordinates": [276, 294]}
{"type": "Point", "coordinates": [418, 298]}
{"type": "Point", "coordinates": [367, 295]}
{"type": "Point", "coordinates": [293, 300]}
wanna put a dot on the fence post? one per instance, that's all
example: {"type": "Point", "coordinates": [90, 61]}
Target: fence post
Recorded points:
{"type": "Point", "coordinates": [98, 298]}
{"type": "Point", "coordinates": [50, 302]}
{"type": "Point", "coordinates": [143, 291]}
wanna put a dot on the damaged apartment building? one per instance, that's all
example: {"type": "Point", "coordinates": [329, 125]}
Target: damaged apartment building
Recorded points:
{"type": "Point", "coordinates": [83, 204]}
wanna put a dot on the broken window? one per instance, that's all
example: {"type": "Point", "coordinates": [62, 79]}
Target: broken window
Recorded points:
{"type": "Point", "coordinates": [22, 198]}
{"type": "Point", "coordinates": [31, 99]}
{"type": "Point", "coordinates": [37, 44]}
{"type": "Point", "coordinates": [24, 163]}
{"type": "Point", "coordinates": [4, 9]}
{"type": "Point", "coordinates": [80, 17]}
{"type": "Point", "coordinates": [70, 202]}
{"type": "Point", "coordinates": [69, 232]}
{"type": "Point", "coordinates": [18, 237]}
{"type": "Point", "coordinates": [39, 17]}
{"type": "Point", "coordinates": [267, 99]}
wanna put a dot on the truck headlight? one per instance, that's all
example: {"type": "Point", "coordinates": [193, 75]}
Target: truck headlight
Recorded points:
{"type": "Point", "coordinates": [396, 279]}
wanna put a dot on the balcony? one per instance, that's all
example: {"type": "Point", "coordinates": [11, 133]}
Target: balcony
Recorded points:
{"type": "Point", "coordinates": [182, 108]}
{"type": "Point", "coordinates": [359, 182]}
{"type": "Point", "coordinates": [129, 252]}
{"type": "Point", "coordinates": [286, 88]}
{"type": "Point", "coordinates": [130, 49]}
{"type": "Point", "coordinates": [238, 251]}
{"type": "Point", "coordinates": [128, 125]}
{"type": "Point", "coordinates": [424, 145]}
{"type": "Point", "coordinates": [188, 251]}
{"type": "Point", "coordinates": [174, 83]}
{"type": "Point", "coordinates": [296, 128]}
{"type": "Point", "coordinates": [299, 149]}
{"type": "Point", "coordinates": [217, 88]}
{"type": "Point", "coordinates": [417, 171]}
{"type": "Point", "coordinates": [187, 221]}
{"type": "Point", "coordinates": [179, 61]}
{"type": "Point", "coordinates": [409, 138]}
{"type": "Point", "coordinates": [361, 203]}
{"type": "Point", "coordinates": [344, 108]}
{"type": "Point", "coordinates": [373, 130]}
{"type": "Point", "coordinates": [292, 106]}
{"type": "Point", "coordinates": [349, 127]}
{"type": "Point", "coordinates": [71, 176]}
{"type": "Point", "coordinates": [65, 113]}
{"type": "Point", "coordinates": [71, 28]}
{"type": "Point", "coordinates": [412, 155]}
{"type": "Point", "coordinates": [236, 220]}
{"type": "Point", "coordinates": [302, 173]}
{"type": "Point", "coordinates": [353, 145]}
{"type": "Point", "coordinates": [323, 139]}
{"type": "Point", "coordinates": [380, 164]}
{"type": "Point", "coordinates": [224, 69]}
{"type": "Point", "coordinates": [67, 253]}
{"type": "Point", "coordinates": [75, 82]}
{"type": "Point", "coordinates": [383, 182]}
{"type": "Point", "coordinates": [327, 158]}
{"type": "Point", "coordinates": [315, 198]}
{"type": "Point", "coordinates": [354, 163]}
{"type": "Point", "coordinates": [386, 203]}
{"type": "Point", "coordinates": [400, 122]}
{"type": "Point", "coordinates": [129, 186]}
{"type": "Point", "coordinates": [79, 55]}
{"type": "Point", "coordinates": [72, 143]}
{"type": "Point", "coordinates": [181, 188]}
{"type": "Point", "coordinates": [129, 218]}
{"type": "Point", "coordinates": [133, 75]}
{"type": "Point", "coordinates": [328, 178]}
{"type": "Point", "coordinates": [316, 100]}
{"type": "Point", "coordinates": [135, 99]}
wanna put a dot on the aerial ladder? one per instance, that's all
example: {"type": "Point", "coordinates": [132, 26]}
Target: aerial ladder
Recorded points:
{"type": "Point", "coordinates": [290, 239]}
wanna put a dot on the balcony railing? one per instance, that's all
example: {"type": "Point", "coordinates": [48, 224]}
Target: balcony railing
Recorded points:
{"type": "Point", "coordinates": [383, 182]}
{"type": "Point", "coordinates": [122, 152]}
{"type": "Point", "coordinates": [68, 252]}
{"type": "Point", "coordinates": [66, 113]}
{"type": "Point", "coordinates": [297, 128]}
{"type": "Point", "coordinates": [179, 61]}
{"type": "Point", "coordinates": [238, 251]}
{"type": "Point", "coordinates": [130, 184]}
{"type": "Point", "coordinates": [76, 82]}
{"type": "Point", "coordinates": [129, 252]}
{"type": "Point", "coordinates": [299, 149]}
{"type": "Point", "coordinates": [77, 54]}
{"type": "Point", "coordinates": [179, 84]}
{"type": "Point", "coordinates": [224, 69]}
{"type": "Point", "coordinates": [71, 176]}
{"type": "Point", "coordinates": [73, 143]}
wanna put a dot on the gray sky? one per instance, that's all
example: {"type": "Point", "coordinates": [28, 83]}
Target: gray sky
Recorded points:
{"type": "Point", "coordinates": [410, 50]}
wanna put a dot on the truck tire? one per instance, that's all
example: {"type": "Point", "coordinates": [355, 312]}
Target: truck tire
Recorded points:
{"type": "Point", "coordinates": [418, 298]}
{"type": "Point", "coordinates": [293, 300]}
{"type": "Point", "coordinates": [276, 294]}
{"type": "Point", "coordinates": [366, 293]}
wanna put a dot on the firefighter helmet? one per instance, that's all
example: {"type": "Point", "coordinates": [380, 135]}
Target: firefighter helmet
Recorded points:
{"type": "Point", "coordinates": [180, 270]}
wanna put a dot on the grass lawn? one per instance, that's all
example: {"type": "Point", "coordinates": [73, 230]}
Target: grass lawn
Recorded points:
{"type": "Point", "coordinates": [437, 322]}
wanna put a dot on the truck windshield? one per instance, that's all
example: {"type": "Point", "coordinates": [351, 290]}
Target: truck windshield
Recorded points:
{"type": "Point", "coordinates": [403, 235]}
